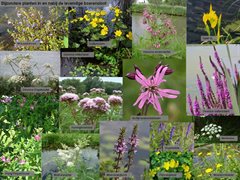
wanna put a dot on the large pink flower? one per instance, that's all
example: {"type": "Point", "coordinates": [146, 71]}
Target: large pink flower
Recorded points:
{"type": "Point", "coordinates": [151, 92]}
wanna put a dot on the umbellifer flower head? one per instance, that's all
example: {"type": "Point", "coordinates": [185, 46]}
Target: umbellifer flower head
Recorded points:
{"type": "Point", "coordinates": [150, 90]}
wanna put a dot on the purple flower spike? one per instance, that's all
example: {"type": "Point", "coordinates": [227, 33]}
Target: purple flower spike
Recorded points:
{"type": "Point", "coordinates": [190, 104]}
{"type": "Point", "coordinates": [188, 129]}
{"type": "Point", "coordinates": [172, 133]}
{"type": "Point", "coordinates": [196, 108]}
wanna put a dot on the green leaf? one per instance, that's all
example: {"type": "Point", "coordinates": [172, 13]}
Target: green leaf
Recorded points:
{"type": "Point", "coordinates": [65, 42]}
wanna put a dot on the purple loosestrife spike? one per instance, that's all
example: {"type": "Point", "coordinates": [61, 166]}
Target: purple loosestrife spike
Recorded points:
{"type": "Point", "coordinates": [196, 108]}
{"type": "Point", "coordinates": [214, 66]}
{"type": "Point", "coordinates": [200, 87]}
{"type": "Point", "coordinates": [133, 143]}
{"type": "Point", "coordinates": [120, 148]}
{"type": "Point", "coordinates": [188, 129]}
{"type": "Point", "coordinates": [218, 59]}
{"type": "Point", "coordinates": [220, 90]}
{"type": "Point", "coordinates": [190, 104]}
{"type": "Point", "coordinates": [172, 133]}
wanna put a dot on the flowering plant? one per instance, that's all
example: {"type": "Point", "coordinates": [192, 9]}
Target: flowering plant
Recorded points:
{"type": "Point", "coordinates": [71, 160]}
{"type": "Point", "coordinates": [225, 97]}
{"type": "Point", "coordinates": [100, 25]}
{"type": "Point", "coordinates": [216, 158]}
{"type": "Point", "coordinates": [176, 162]}
{"type": "Point", "coordinates": [21, 155]}
{"type": "Point", "coordinates": [23, 69]}
{"type": "Point", "coordinates": [30, 25]}
{"type": "Point", "coordinates": [160, 28]}
{"type": "Point", "coordinates": [150, 88]}
{"type": "Point", "coordinates": [172, 134]}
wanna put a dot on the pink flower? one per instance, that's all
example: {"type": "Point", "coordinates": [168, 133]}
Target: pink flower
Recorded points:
{"type": "Point", "coordinates": [115, 100]}
{"type": "Point", "coordinates": [22, 162]}
{"type": "Point", "coordinates": [37, 137]}
{"type": "Point", "coordinates": [69, 97]}
{"type": "Point", "coordinates": [151, 92]}
{"type": "Point", "coordinates": [6, 160]}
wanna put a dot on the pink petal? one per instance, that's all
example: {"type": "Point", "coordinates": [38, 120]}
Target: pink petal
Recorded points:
{"type": "Point", "coordinates": [159, 76]}
{"type": "Point", "coordinates": [140, 78]}
{"type": "Point", "coordinates": [142, 99]}
{"type": "Point", "coordinates": [157, 105]}
{"type": "Point", "coordinates": [168, 93]}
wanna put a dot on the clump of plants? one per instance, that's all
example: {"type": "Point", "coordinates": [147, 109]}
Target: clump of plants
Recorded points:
{"type": "Point", "coordinates": [33, 25]}
{"type": "Point", "coordinates": [221, 94]}
{"type": "Point", "coordinates": [23, 69]}
{"type": "Point", "coordinates": [100, 25]}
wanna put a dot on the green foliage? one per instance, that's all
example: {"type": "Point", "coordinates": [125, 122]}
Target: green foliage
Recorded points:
{"type": "Point", "coordinates": [170, 162]}
{"type": "Point", "coordinates": [89, 83]}
{"type": "Point", "coordinates": [54, 141]}
{"type": "Point", "coordinates": [162, 9]}
{"type": "Point", "coordinates": [23, 154]}
{"type": "Point", "coordinates": [31, 24]}
{"type": "Point", "coordinates": [30, 112]}
{"type": "Point", "coordinates": [162, 132]}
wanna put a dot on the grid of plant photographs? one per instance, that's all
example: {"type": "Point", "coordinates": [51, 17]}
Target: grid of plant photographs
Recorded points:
{"type": "Point", "coordinates": [120, 90]}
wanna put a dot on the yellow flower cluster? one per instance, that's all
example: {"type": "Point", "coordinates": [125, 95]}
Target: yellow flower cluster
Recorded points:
{"type": "Point", "coordinates": [170, 164]}
{"type": "Point", "coordinates": [187, 171]}
{"type": "Point", "coordinates": [154, 171]}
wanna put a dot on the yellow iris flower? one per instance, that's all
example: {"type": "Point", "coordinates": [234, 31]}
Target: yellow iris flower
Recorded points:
{"type": "Point", "coordinates": [210, 17]}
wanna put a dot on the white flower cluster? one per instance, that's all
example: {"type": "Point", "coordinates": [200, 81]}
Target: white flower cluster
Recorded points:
{"type": "Point", "coordinates": [211, 130]}
{"type": "Point", "coordinates": [69, 156]}
{"type": "Point", "coordinates": [17, 79]}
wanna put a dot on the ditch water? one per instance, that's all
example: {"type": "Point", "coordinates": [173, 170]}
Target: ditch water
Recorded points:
{"type": "Point", "coordinates": [139, 29]}
{"type": "Point", "coordinates": [49, 165]}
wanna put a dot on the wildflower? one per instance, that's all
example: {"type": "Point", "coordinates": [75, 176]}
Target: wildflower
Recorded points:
{"type": "Point", "coordinates": [152, 172]}
{"type": "Point", "coordinates": [166, 165]}
{"type": "Point", "coordinates": [104, 30]}
{"type": "Point", "coordinates": [103, 13]}
{"type": "Point", "coordinates": [157, 153]}
{"type": "Point", "coordinates": [118, 33]}
{"type": "Point", "coordinates": [22, 162]}
{"type": "Point", "coordinates": [188, 175]}
{"type": "Point", "coordinates": [218, 165]}
{"type": "Point", "coordinates": [69, 97]}
{"type": "Point", "coordinates": [70, 164]}
{"type": "Point", "coordinates": [172, 132]}
{"type": "Point", "coordinates": [210, 17]}
{"type": "Point", "coordinates": [199, 154]}
{"type": "Point", "coordinates": [172, 163]}
{"type": "Point", "coordinates": [115, 100]}
{"type": "Point", "coordinates": [129, 35]}
{"type": "Point", "coordinates": [86, 18]}
{"type": "Point", "coordinates": [151, 91]}
{"type": "Point", "coordinates": [6, 99]}
{"type": "Point", "coordinates": [200, 175]}
{"type": "Point", "coordinates": [209, 154]}
{"type": "Point", "coordinates": [117, 11]}
{"type": "Point", "coordinates": [37, 137]}
{"type": "Point", "coordinates": [185, 168]}
{"type": "Point", "coordinates": [188, 129]}
{"type": "Point", "coordinates": [209, 170]}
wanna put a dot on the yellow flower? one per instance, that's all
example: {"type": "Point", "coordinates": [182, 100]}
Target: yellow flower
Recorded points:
{"type": "Point", "coordinates": [218, 165]}
{"type": "Point", "coordinates": [166, 165]}
{"type": "Point", "coordinates": [103, 13]}
{"type": "Point", "coordinates": [92, 13]}
{"type": "Point", "coordinates": [118, 33]}
{"type": "Point", "coordinates": [100, 20]}
{"type": "Point", "coordinates": [113, 20]}
{"type": "Point", "coordinates": [209, 154]}
{"type": "Point", "coordinates": [199, 154]}
{"type": "Point", "coordinates": [81, 19]}
{"type": "Point", "coordinates": [185, 168]}
{"type": "Point", "coordinates": [218, 153]}
{"type": "Point", "coordinates": [93, 23]}
{"type": "Point", "coordinates": [179, 153]}
{"type": "Point", "coordinates": [104, 30]}
{"type": "Point", "coordinates": [200, 175]}
{"type": "Point", "coordinates": [177, 164]}
{"type": "Point", "coordinates": [117, 12]}
{"type": "Point", "coordinates": [188, 175]}
{"type": "Point", "coordinates": [152, 172]}
{"type": "Point", "coordinates": [86, 17]}
{"type": "Point", "coordinates": [157, 153]}
{"type": "Point", "coordinates": [229, 156]}
{"type": "Point", "coordinates": [172, 163]}
{"type": "Point", "coordinates": [98, 14]}
{"type": "Point", "coordinates": [210, 17]}
{"type": "Point", "coordinates": [129, 35]}
{"type": "Point", "coordinates": [209, 170]}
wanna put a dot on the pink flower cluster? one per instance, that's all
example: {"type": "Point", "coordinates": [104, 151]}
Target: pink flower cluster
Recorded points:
{"type": "Point", "coordinates": [115, 100]}
{"type": "Point", "coordinates": [97, 90]}
{"type": "Point", "coordinates": [96, 105]}
{"type": "Point", "coordinates": [8, 160]}
{"type": "Point", "coordinates": [69, 97]}
{"type": "Point", "coordinates": [6, 99]}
